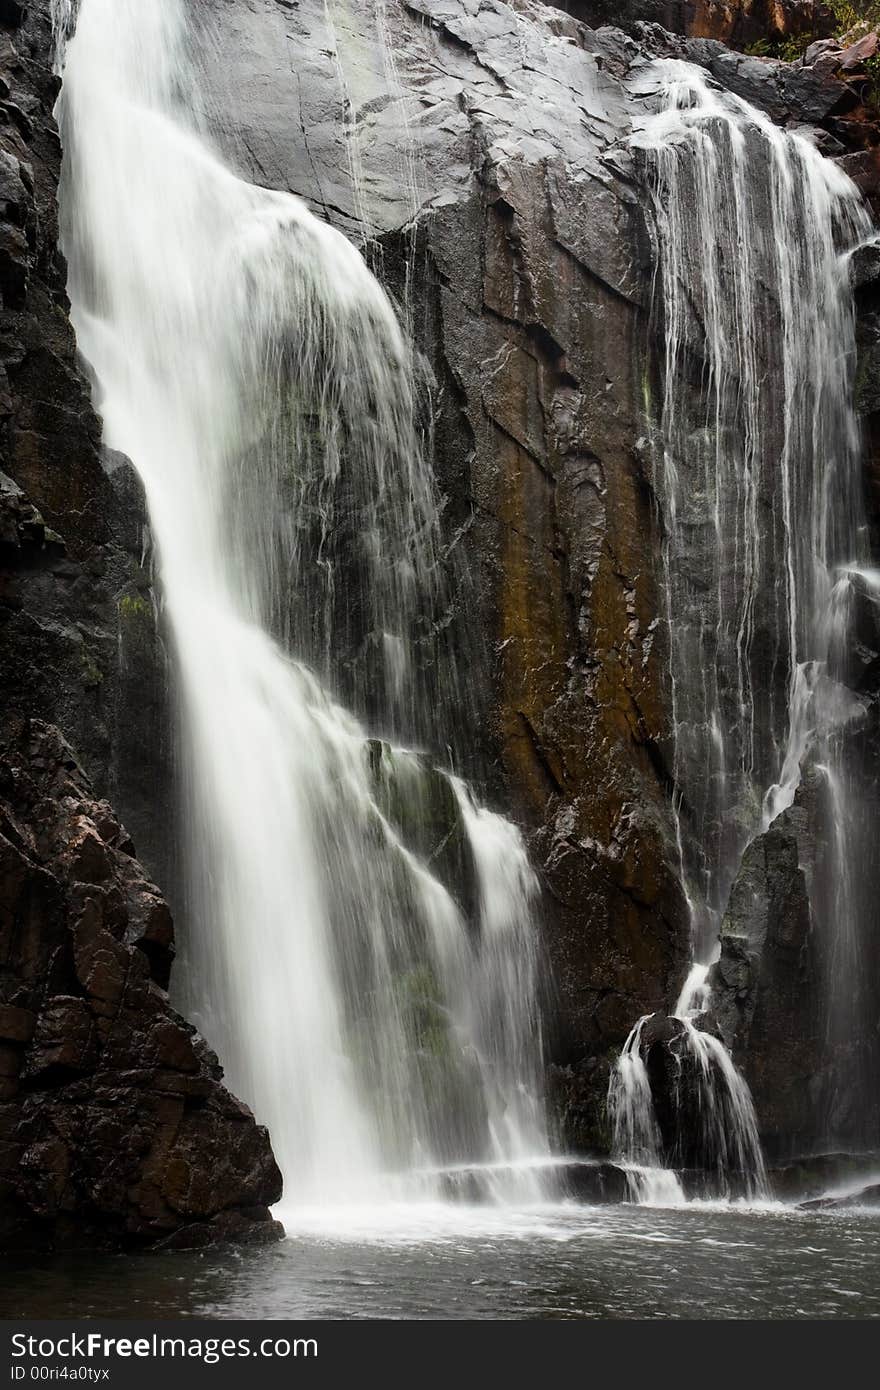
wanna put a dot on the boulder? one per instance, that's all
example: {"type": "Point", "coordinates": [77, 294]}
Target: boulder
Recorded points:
{"type": "Point", "coordinates": [115, 1128]}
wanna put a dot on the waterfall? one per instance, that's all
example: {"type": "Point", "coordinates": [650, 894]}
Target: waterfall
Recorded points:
{"type": "Point", "coordinates": [758, 483]}
{"type": "Point", "coordinates": [377, 1019]}
{"type": "Point", "coordinates": [712, 1124]}
{"type": "Point", "coordinates": [758, 455]}
{"type": "Point", "coordinates": [636, 1137]}
{"type": "Point", "coordinates": [636, 1140]}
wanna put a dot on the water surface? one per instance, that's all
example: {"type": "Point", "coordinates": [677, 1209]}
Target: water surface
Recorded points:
{"type": "Point", "coordinates": [440, 1262]}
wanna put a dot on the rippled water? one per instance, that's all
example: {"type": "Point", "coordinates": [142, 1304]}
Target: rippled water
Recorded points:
{"type": "Point", "coordinates": [447, 1262]}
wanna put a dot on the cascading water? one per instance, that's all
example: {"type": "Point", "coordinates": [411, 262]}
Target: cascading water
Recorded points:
{"type": "Point", "coordinates": [759, 494]}
{"type": "Point", "coordinates": [636, 1139]}
{"type": "Point", "coordinates": [758, 475]}
{"type": "Point", "coordinates": [253, 370]}
{"type": "Point", "coordinates": [712, 1123]}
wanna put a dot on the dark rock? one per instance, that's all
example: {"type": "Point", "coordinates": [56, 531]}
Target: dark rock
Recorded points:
{"type": "Point", "coordinates": [529, 280]}
{"type": "Point", "coordinates": [595, 1183]}
{"type": "Point", "coordinates": [800, 1025]}
{"type": "Point", "coordinates": [814, 1176]}
{"type": "Point", "coordinates": [79, 639]}
{"type": "Point", "coordinates": [121, 1132]}
{"type": "Point", "coordinates": [421, 806]}
{"type": "Point", "coordinates": [737, 23]}
{"type": "Point", "coordinates": [865, 1197]}
{"type": "Point", "coordinates": [577, 1095]}
{"type": "Point", "coordinates": [11, 12]}
{"type": "Point", "coordinates": [864, 264]}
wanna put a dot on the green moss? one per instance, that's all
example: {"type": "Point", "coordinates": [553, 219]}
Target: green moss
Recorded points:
{"type": "Point", "coordinates": [863, 15]}
{"type": "Point", "coordinates": [423, 1010]}
{"type": "Point", "coordinates": [132, 607]}
{"type": "Point", "coordinates": [92, 673]}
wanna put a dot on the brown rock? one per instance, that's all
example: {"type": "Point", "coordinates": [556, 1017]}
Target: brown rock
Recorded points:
{"type": "Point", "coordinates": [854, 57]}
{"type": "Point", "coordinates": [16, 1025]}
{"type": "Point", "coordinates": [124, 1133]}
{"type": "Point", "coordinates": [64, 1040]}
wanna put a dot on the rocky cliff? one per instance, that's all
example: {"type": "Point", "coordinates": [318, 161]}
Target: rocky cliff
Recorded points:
{"type": "Point", "coordinates": [485, 148]}
{"type": "Point", "coordinates": [482, 150]}
{"type": "Point", "coordinates": [113, 1121]}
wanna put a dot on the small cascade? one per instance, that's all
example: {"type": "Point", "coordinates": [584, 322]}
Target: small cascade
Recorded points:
{"type": "Point", "coordinates": [636, 1137]}
{"type": "Point", "coordinates": [636, 1140]}
{"type": "Point", "coordinates": [676, 1101]}
{"type": "Point", "coordinates": [655, 1187]}
{"type": "Point", "coordinates": [727, 1140]}
{"type": "Point", "coordinates": [508, 1021]}
{"type": "Point", "coordinates": [359, 936]}
{"type": "Point", "coordinates": [757, 473]}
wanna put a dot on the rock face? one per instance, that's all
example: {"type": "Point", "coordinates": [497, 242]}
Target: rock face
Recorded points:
{"type": "Point", "coordinates": [766, 987]}
{"type": "Point", "coordinates": [76, 613]}
{"type": "Point", "coordinates": [114, 1127]}
{"type": "Point", "coordinates": [739, 23]}
{"type": "Point", "coordinates": [775, 983]}
{"type": "Point", "coordinates": [800, 1023]}
{"type": "Point", "coordinates": [527, 284]}
{"type": "Point", "coordinates": [484, 148]}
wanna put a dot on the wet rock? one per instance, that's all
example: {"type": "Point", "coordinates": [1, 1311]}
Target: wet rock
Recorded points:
{"type": "Point", "coordinates": [864, 265]}
{"type": "Point", "coordinates": [865, 1197]}
{"type": "Point", "coordinates": [577, 1095]}
{"type": "Point", "coordinates": [799, 1022]}
{"type": "Point", "coordinates": [814, 1176]}
{"type": "Point", "coordinates": [118, 1130]}
{"type": "Point", "coordinates": [420, 804]}
{"type": "Point", "coordinates": [530, 290]}
{"type": "Point", "coordinates": [766, 984]}
{"type": "Point", "coordinates": [595, 1183]}
{"type": "Point", "coordinates": [74, 553]}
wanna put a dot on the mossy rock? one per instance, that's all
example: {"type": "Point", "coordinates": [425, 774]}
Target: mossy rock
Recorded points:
{"type": "Point", "coordinates": [420, 803]}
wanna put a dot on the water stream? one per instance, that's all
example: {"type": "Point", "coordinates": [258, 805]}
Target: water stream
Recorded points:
{"type": "Point", "coordinates": [359, 939]}
{"type": "Point", "coordinates": [376, 1006]}
{"type": "Point", "coordinates": [758, 474]}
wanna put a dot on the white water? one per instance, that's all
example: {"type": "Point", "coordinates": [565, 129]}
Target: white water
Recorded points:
{"type": "Point", "coordinates": [253, 370]}
{"type": "Point", "coordinates": [758, 468]}
{"type": "Point", "coordinates": [636, 1137]}
{"type": "Point", "coordinates": [759, 492]}
{"type": "Point", "coordinates": [715, 1125]}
